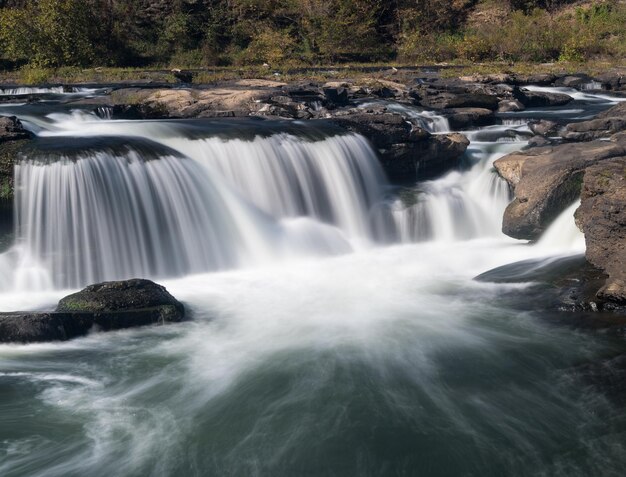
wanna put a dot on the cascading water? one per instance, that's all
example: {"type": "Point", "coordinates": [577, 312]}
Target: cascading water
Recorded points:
{"type": "Point", "coordinates": [389, 361]}
{"type": "Point", "coordinates": [117, 211]}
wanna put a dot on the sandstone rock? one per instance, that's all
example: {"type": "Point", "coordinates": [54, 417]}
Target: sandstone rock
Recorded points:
{"type": "Point", "coordinates": [546, 180]}
{"type": "Point", "coordinates": [602, 217]}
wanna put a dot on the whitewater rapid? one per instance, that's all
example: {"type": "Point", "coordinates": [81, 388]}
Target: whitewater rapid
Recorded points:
{"type": "Point", "coordinates": [343, 334]}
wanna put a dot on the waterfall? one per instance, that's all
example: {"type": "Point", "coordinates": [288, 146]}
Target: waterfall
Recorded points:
{"type": "Point", "coordinates": [563, 234]}
{"type": "Point", "coordinates": [25, 90]}
{"type": "Point", "coordinates": [336, 180]}
{"type": "Point", "coordinates": [461, 205]}
{"type": "Point", "coordinates": [96, 212]}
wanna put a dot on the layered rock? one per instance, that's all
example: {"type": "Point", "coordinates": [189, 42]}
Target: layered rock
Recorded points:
{"type": "Point", "coordinates": [604, 125]}
{"type": "Point", "coordinates": [602, 218]}
{"type": "Point", "coordinates": [103, 307]}
{"type": "Point", "coordinates": [546, 180]}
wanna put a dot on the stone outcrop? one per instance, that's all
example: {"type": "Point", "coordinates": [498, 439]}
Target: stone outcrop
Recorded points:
{"type": "Point", "coordinates": [540, 99]}
{"type": "Point", "coordinates": [13, 137]}
{"type": "Point", "coordinates": [463, 118]}
{"type": "Point", "coordinates": [407, 151]}
{"type": "Point", "coordinates": [103, 307]}
{"type": "Point", "coordinates": [442, 96]}
{"type": "Point", "coordinates": [602, 218]}
{"type": "Point", "coordinates": [546, 180]}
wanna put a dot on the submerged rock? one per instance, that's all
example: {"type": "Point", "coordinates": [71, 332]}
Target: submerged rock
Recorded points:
{"type": "Point", "coordinates": [102, 307]}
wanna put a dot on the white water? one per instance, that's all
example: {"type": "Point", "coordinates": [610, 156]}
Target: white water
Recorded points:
{"type": "Point", "coordinates": [386, 361]}
{"type": "Point", "coordinates": [24, 90]}
{"type": "Point", "coordinates": [563, 233]}
{"type": "Point", "coordinates": [253, 201]}
{"type": "Point", "coordinates": [427, 120]}
{"type": "Point", "coordinates": [577, 95]}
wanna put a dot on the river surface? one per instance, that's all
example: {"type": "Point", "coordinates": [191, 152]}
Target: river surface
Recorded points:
{"type": "Point", "coordinates": [337, 329]}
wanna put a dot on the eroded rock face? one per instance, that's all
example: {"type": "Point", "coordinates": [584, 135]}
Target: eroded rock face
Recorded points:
{"type": "Point", "coordinates": [407, 152]}
{"type": "Point", "coordinates": [102, 307]}
{"type": "Point", "coordinates": [602, 218]}
{"type": "Point", "coordinates": [546, 180]}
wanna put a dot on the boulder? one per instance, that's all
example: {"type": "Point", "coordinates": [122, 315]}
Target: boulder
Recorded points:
{"type": "Point", "coordinates": [13, 137]}
{"type": "Point", "coordinates": [612, 80]}
{"type": "Point", "coordinates": [544, 128]}
{"type": "Point", "coordinates": [102, 307]}
{"type": "Point", "coordinates": [406, 150]}
{"type": "Point", "coordinates": [573, 81]}
{"type": "Point", "coordinates": [546, 180]}
{"type": "Point", "coordinates": [602, 218]}
{"type": "Point", "coordinates": [337, 95]}
{"type": "Point", "coordinates": [540, 99]}
{"type": "Point", "coordinates": [463, 118]}
{"type": "Point", "coordinates": [510, 106]}
{"type": "Point", "coordinates": [433, 97]}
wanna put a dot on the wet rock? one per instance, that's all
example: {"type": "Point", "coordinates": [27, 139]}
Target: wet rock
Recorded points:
{"type": "Point", "coordinates": [463, 118]}
{"type": "Point", "coordinates": [510, 106]}
{"type": "Point", "coordinates": [539, 79]}
{"type": "Point", "coordinates": [102, 307]}
{"type": "Point", "coordinates": [540, 99]}
{"type": "Point", "coordinates": [11, 129]}
{"type": "Point", "coordinates": [122, 295]}
{"type": "Point", "coordinates": [13, 137]}
{"type": "Point", "coordinates": [546, 180]}
{"type": "Point", "coordinates": [431, 96]}
{"type": "Point", "coordinates": [539, 141]}
{"type": "Point", "coordinates": [544, 128]}
{"type": "Point", "coordinates": [406, 150]}
{"type": "Point", "coordinates": [602, 217]}
{"type": "Point", "coordinates": [573, 81]}
{"type": "Point", "coordinates": [604, 125]}
{"type": "Point", "coordinates": [612, 80]}
{"type": "Point", "coordinates": [337, 95]}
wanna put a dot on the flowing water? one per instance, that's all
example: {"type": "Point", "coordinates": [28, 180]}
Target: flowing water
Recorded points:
{"type": "Point", "coordinates": [337, 328]}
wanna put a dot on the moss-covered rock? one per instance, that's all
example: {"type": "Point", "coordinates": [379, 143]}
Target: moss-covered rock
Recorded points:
{"type": "Point", "coordinates": [102, 307]}
{"type": "Point", "coordinates": [126, 295]}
